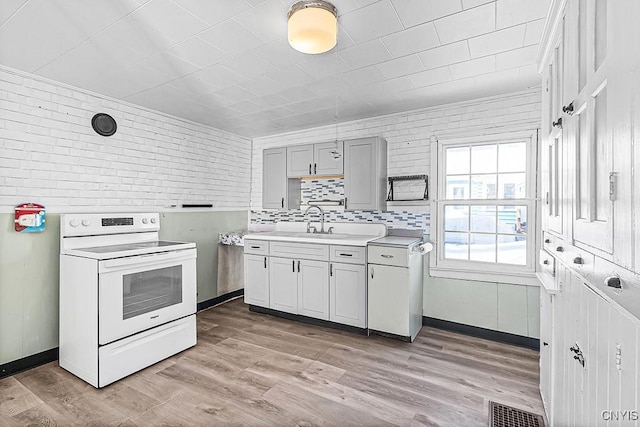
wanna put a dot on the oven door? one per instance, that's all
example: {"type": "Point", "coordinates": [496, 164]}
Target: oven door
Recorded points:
{"type": "Point", "coordinates": [139, 292]}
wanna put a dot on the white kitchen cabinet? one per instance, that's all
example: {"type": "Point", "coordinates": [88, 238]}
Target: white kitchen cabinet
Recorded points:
{"type": "Point", "coordinates": [348, 294]}
{"type": "Point", "coordinates": [386, 289]}
{"type": "Point", "coordinates": [299, 161]}
{"type": "Point", "coordinates": [313, 289]}
{"type": "Point", "coordinates": [315, 159]}
{"type": "Point", "coordinates": [546, 341]}
{"type": "Point", "coordinates": [274, 178]}
{"type": "Point", "coordinates": [365, 174]}
{"type": "Point", "coordinates": [256, 282]}
{"type": "Point", "coordinates": [283, 285]}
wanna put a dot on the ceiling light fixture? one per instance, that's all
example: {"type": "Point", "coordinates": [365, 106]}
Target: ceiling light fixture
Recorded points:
{"type": "Point", "coordinates": [313, 26]}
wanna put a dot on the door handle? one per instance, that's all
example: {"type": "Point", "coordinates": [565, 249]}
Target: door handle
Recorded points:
{"type": "Point", "coordinates": [345, 203]}
{"type": "Point", "coordinates": [265, 262]}
{"type": "Point", "coordinates": [293, 265]}
{"type": "Point", "coordinates": [386, 256]}
{"type": "Point", "coordinates": [558, 123]}
{"type": "Point", "coordinates": [298, 266]}
{"type": "Point", "coordinates": [282, 203]}
{"type": "Point", "coordinates": [372, 272]}
{"type": "Point", "coordinates": [345, 254]}
{"type": "Point", "coordinates": [315, 168]}
{"type": "Point", "coordinates": [330, 270]}
{"type": "Point", "coordinates": [309, 168]}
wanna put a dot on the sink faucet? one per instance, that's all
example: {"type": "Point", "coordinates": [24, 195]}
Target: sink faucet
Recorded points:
{"type": "Point", "coordinates": [321, 219]}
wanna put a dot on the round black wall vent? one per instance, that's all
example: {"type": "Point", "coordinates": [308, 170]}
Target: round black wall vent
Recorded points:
{"type": "Point", "coordinates": [104, 124]}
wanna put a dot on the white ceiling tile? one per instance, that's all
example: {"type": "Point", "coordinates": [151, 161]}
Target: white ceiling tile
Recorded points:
{"type": "Point", "coordinates": [46, 29]}
{"type": "Point", "coordinates": [249, 65]}
{"type": "Point", "coordinates": [291, 76]}
{"type": "Point", "coordinates": [516, 58]}
{"type": "Point", "coordinates": [170, 64]}
{"type": "Point", "coordinates": [430, 77]}
{"type": "Point", "coordinates": [213, 12]}
{"type": "Point", "coordinates": [270, 100]}
{"type": "Point", "coordinates": [296, 94]}
{"type": "Point", "coordinates": [466, 24]}
{"type": "Point", "coordinates": [347, 6]}
{"type": "Point", "coordinates": [400, 66]}
{"type": "Point", "coordinates": [468, 4]}
{"type": "Point", "coordinates": [412, 40]}
{"type": "Point", "coordinates": [498, 41]}
{"type": "Point", "coordinates": [445, 55]}
{"type": "Point", "coordinates": [259, 86]}
{"type": "Point", "coordinates": [504, 77]}
{"type": "Point", "coordinates": [362, 76]}
{"type": "Point", "coordinates": [8, 8]}
{"type": "Point", "coordinates": [513, 12]}
{"type": "Point", "coordinates": [528, 75]}
{"type": "Point", "coordinates": [218, 75]}
{"type": "Point", "coordinates": [169, 19]}
{"type": "Point", "coordinates": [328, 86]}
{"type": "Point", "coordinates": [246, 107]}
{"type": "Point", "coordinates": [344, 41]}
{"type": "Point", "coordinates": [199, 52]}
{"type": "Point", "coordinates": [280, 54]}
{"type": "Point", "coordinates": [414, 12]}
{"type": "Point", "coordinates": [393, 86]}
{"type": "Point", "coordinates": [192, 85]}
{"type": "Point", "coordinates": [473, 68]}
{"type": "Point", "coordinates": [232, 38]}
{"type": "Point", "coordinates": [122, 82]}
{"type": "Point", "coordinates": [358, 23]}
{"type": "Point", "coordinates": [533, 34]}
{"type": "Point", "coordinates": [234, 94]}
{"type": "Point", "coordinates": [268, 20]}
{"type": "Point", "coordinates": [320, 66]}
{"type": "Point", "coordinates": [365, 54]}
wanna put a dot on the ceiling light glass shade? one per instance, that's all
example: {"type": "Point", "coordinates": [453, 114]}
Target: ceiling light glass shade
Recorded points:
{"type": "Point", "coordinates": [313, 26]}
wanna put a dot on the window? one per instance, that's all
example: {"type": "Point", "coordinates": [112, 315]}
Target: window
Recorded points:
{"type": "Point", "coordinates": [485, 211]}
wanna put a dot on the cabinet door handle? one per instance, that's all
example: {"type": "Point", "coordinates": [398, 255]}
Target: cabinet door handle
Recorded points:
{"type": "Point", "coordinates": [545, 262]}
{"type": "Point", "coordinates": [545, 344]}
{"type": "Point", "coordinates": [372, 272]}
{"type": "Point", "coordinates": [293, 265]}
{"type": "Point", "coordinates": [568, 109]}
{"type": "Point", "coordinates": [578, 260]}
{"type": "Point", "coordinates": [255, 247]}
{"type": "Point", "coordinates": [547, 240]}
{"type": "Point", "coordinates": [282, 202]}
{"type": "Point", "coordinates": [298, 266]}
{"type": "Point", "coordinates": [386, 256]}
{"type": "Point", "coordinates": [345, 203]}
{"type": "Point", "coordinates": [265, 262]}
{"type": "Point", "coordinates": [558, 123]}
{"type": "Point", "coordinates": [315, 168]}
{"type": "Point", "coordinates": [330, 270]}
{"type": "Point", "coordinates": [345, 254]}
{"type": "Point", "coordinates": [309, 168]}
{"type": "Point", "coordinates": [559, 249]}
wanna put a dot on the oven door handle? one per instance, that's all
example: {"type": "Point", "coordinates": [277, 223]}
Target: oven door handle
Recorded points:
{"type": "Point", "coordinates": [150, 259]}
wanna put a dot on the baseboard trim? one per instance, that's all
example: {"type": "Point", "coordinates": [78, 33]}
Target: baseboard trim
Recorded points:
{"type": "Point", "coordinates": [475, 331]}
{"type": "Point", "coordinates": [220, 299]}
{"type": "Point", "coordinates": [308, 320]}
{"type": "Point", "coordinates": [28, 362]}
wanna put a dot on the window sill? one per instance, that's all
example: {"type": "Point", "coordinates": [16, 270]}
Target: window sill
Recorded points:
{"type": "Point", "coordinates": [525, 279]}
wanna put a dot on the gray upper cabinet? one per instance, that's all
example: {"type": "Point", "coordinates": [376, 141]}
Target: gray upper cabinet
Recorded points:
{"type": "Point", "coordinates": [317, 159]}
{"type": "Point", "coordinates": [328, 159]}
{"type": "Point", "coordinates": [299, 161]}
{"type": "Point", "coordinates": [365, 173]}
{"type": "Point", "coordinates": [274, 178]}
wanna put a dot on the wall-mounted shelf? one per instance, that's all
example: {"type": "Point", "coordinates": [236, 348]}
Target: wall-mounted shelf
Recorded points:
{"type": "Point", "coordinates": [392, 179]}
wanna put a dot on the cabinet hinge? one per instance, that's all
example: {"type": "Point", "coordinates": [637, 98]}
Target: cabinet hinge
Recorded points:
{"type": "Point", "coordinates": [612, 186]}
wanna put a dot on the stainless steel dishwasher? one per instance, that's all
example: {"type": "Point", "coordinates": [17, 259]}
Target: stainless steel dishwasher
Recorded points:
{"type": "Point", "coordinates": [394, 303]}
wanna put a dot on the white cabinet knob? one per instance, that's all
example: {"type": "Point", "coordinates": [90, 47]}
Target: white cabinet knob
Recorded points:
{"type": "Point", "coordinates": [86, 222]}
{"type": "Point", "coordinates": [74, 223]}
{"type": "Point", "coordinates": [145, 220]}
{"type": "Point", "coordinates": [153, 220]}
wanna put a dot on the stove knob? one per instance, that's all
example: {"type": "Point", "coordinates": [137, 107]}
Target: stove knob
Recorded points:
{"type": "Point", "coordinates": [74, 223]}
{"type": "Point", "coordinates": [86, 222]}
{"type": "Point", "coordinates": [145, 220]}
{"type": "Point", "coordinates": [153, 220]}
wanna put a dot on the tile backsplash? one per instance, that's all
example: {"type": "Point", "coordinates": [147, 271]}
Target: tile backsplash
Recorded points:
{"type": "Point", "coordinates": [333, 189]}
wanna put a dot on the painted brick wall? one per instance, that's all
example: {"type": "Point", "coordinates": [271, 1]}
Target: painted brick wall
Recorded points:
{"type": "Point", "coordinates": [49, 153]}
{"type": "Point", "coordinates": [408, 134]}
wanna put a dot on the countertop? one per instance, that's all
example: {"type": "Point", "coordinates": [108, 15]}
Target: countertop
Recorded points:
{"type": "Point", "coordinates": [303, 237]}
{"type": "Point", "coordinates": [399, 241]}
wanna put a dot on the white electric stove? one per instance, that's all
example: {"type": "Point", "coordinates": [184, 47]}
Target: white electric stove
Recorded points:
{"type": "Point", "coordinates": [127, 299]}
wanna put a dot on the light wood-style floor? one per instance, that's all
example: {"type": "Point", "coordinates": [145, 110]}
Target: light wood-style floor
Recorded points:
{"type": "Point", "coordinates": [257, 370]}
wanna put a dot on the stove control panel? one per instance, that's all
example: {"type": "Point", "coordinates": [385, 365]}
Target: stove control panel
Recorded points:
{"type": "Point", "coordinates": [97, 224]}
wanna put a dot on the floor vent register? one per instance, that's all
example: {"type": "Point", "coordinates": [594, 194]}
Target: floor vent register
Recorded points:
{"type": "Point", "coordinates": [507, 416]}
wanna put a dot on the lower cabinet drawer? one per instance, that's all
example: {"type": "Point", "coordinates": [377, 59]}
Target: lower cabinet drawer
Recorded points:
{"type": "Point", "coordinates": [348, 254]}
{"type": "Point", "coordinates": [386, 255]}
{"type": "Point", "coordinates": [256, 247]}
{"type": "Point", "coordinates": [299, 251]}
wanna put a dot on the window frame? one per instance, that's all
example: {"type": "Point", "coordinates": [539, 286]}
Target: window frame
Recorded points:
{"type": "Point", "coordinates": [479, 270]}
